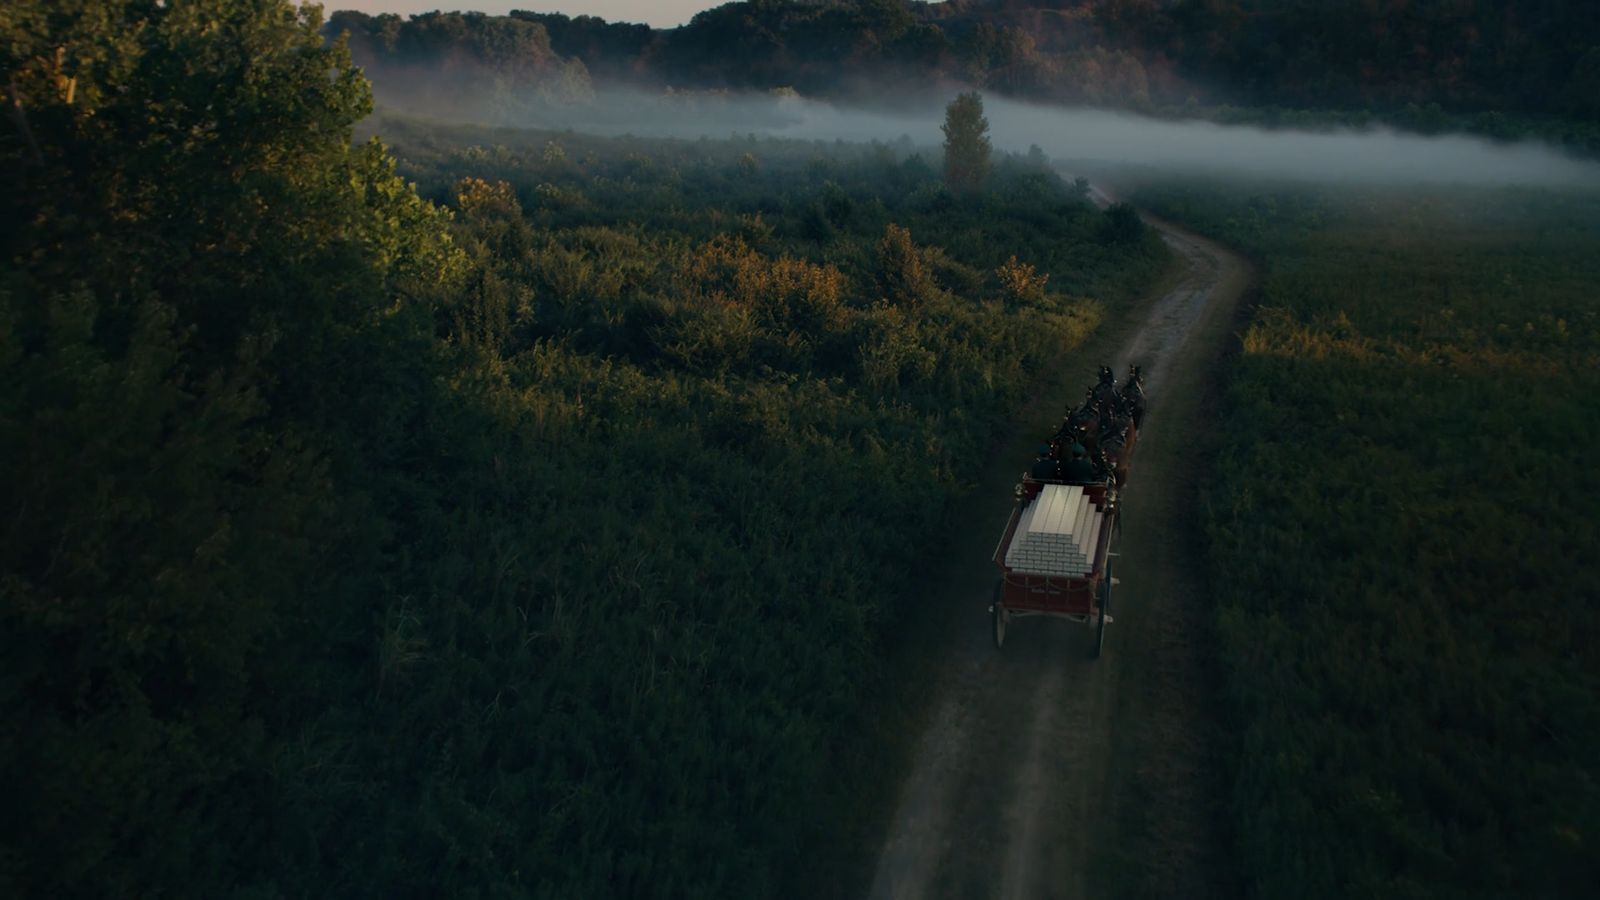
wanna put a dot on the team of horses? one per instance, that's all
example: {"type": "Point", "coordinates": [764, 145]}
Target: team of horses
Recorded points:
{"type": "Point", "coordinates": [1106, 423]}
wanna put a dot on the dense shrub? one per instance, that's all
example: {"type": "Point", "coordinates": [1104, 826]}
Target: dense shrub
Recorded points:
{"type": "Point", "coordinates": [1399, 519]}
{"type": "Point", "coordinates": [358, 547]}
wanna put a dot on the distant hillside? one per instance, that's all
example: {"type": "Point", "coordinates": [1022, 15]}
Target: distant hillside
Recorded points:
{"type": "Point", "coordinates": [1461, 57]}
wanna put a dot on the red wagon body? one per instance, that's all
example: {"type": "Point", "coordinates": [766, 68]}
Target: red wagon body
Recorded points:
{"type": "Point", "coordinates": [1085, 598]}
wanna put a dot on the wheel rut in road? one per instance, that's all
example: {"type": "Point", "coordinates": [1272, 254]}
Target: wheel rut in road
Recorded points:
{"type": "Point", "coordinates": [1042, 772]}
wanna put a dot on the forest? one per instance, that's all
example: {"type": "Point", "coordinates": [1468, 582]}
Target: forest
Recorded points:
{"type": "Point", "coordinates": [1411, 421]}
{"type": "Point", "coordinates": [1504, 70]}
{"type": "Point", "coordinates": [482, 513]}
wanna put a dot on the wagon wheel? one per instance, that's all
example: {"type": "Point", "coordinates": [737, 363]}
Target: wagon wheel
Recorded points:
{"type": "Point", "coordinates": [1105, 610]}
{"type": "Point", "coordinates": [998, 612]}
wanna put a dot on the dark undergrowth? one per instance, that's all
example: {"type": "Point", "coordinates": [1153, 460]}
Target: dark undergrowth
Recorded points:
{"type": "Point", "coordinates": [1401, 525]}
{"type": "Point", "coordinates": [537, 543]}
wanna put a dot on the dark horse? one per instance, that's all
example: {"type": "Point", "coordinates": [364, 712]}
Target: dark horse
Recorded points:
{"type": "Point", "coordinates": [1107, 424]}
{"type": "Point", "coordinates": [1106, 431]}
{"type": "Point", "coordinates": [1132, 394]}
{"type": "Point", "coordinates": [1079, 425]}
{"type": "Point", "coordinates": [1106, 390]}
{"type": "Point", "coordinates": [1117, 435]}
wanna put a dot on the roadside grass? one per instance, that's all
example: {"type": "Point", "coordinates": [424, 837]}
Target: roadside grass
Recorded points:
{"type": "Point", "coordinates": [544, 544]}
{"type": "Point", "coordinates": [730, 390]}
{"type": "Point", "coordinates": [1402, 526]}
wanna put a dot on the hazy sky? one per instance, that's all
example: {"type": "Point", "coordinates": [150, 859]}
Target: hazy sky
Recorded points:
{"type": "Point", "coordinates": [660, 13]}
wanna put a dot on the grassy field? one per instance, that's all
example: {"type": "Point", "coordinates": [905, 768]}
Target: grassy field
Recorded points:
{"type": "Point", "coordinates": [748, 375]}
{"type": "Point", "coordinates": [542, 540]}
{"type": "Point", "coordinates": [1402, 527]}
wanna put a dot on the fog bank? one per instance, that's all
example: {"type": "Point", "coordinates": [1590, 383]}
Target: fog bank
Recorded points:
{"type": "Point", "coordinates": [1375, 156]}
{"type": "Point", "coordinates": [1088, 135]}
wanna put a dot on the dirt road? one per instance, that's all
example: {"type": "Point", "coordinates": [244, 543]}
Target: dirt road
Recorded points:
{"type": "Point", "coordinates": [1042, 772]}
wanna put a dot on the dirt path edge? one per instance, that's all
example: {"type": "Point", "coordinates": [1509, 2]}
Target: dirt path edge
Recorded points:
{"type": "Point", "coordinates": [1039, 770]}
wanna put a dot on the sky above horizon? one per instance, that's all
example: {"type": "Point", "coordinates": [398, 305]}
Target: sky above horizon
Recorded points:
{"type": "Point", "coordinates": [656, 13]}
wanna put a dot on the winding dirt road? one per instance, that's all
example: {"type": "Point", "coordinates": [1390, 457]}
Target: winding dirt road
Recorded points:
{"type": "Point", "coordinates": [1042, 772]}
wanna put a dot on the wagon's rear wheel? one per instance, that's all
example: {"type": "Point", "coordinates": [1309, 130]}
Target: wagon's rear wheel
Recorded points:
{"type": "Point", "coordinates": [997, 611]}
{"type": "Point", "coordinates": [1105, 610]}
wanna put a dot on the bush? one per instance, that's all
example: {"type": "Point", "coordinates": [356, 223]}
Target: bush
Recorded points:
{"type": "Point", "coordinates": [1402, 586]}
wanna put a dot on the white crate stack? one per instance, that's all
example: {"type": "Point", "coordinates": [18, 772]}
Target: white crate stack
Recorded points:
{"type": "Point", "coordinates": [1057, 533]}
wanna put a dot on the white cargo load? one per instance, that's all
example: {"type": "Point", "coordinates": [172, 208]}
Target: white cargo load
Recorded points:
{"type": "Point", "coordinates": [1057, 533]}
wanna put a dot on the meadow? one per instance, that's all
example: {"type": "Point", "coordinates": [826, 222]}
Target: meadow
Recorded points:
{"type": "Point", "coordinates": [1401, 520]}
{"type": "Point", "coordinates": [738, 382]}
{"type": "Point", "coordinates": [503, 514]}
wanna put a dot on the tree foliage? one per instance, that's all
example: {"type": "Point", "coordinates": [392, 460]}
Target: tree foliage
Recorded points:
{"type": "Point", "coordinates": [536, 540]}
{"type": "Point", "coordinates": [497, 67]}
{"type": "Point", "coordinates": [197, 259]}
{"type": "Point", "coordinates": [1398, 523]}
{"type": "Point", "coordinates": [1123, 225]}
{"type": "Point", "coordinates": [966, 144]}
{"type": "Point", "coordinates": [1420, 65]}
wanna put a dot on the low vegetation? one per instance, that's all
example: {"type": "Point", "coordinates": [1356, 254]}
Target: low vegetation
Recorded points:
{"type": "Point", "coordinates": [537, 540]}
{"type": "Point", "coordinates": [1402, 522]}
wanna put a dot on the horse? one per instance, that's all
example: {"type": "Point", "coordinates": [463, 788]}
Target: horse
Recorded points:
{"type": "Point", "coordinates": [1115, 444]}
{"type": "Point", "coordinates": [1106, 390]}
{"type": "Point", "coordinates": [1106, 424]}
{"type": "Point", "coordinates": [1132, 394]}
{"type": "Point", "coordinates": [1079, 425]}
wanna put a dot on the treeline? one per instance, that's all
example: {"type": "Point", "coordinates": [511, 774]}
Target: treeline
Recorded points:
{"type": "Point", "coordinates": [865, 51]}
{"type": "Point", "coordinates": [535, 542]}
{"type": "Point", "coordinates": [1395, 58]}
{"type": "Point", "coordinates": [495, 66]}
{"type": "Point", "coordinates": [1400, 516]}
{"type": "Point", "coordinates": [1387, 55]}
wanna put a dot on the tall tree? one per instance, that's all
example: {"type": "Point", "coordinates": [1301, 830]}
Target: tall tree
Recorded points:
{"type": "Point", "coordinates": [199, 269]}
{"type": "Point", "coordinates": [902, 277]}
{"type": "Point", "coordinates": [966, 144]}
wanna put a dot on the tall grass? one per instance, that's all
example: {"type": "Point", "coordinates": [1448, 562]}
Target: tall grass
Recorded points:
{"type": "Point", "coordinates": [1402, 519]}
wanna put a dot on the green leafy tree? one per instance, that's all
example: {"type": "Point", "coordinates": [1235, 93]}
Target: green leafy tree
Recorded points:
{"type": "Point", "coordinates": [1021, 282]}
{"type": "Point", "coordinates": [1121, 224]}
{"type": "Point", "coordinates": [1583, 88]}
{"type": "Point", "coordinates": [966, 144]}
{"type": "Point", "coordinates": [318, 572]}
{"type": "Point", "coordinates": [903, 279]}
{"type": "Point", "coordinates": [200, 272]}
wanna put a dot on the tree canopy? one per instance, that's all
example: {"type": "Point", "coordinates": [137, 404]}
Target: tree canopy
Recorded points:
{"type": "Point", "coordinates": [966, 144]}
{"type": "Point", "coordinates": [532, 538]}
{"type": "Point", "coordinates": [197, 259]}
{"type": "Point", "coordinates": [1397, 58]}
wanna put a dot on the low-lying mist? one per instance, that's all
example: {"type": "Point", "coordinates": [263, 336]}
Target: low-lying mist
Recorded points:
{"type": "Point", "coordinates": [1380, 155]}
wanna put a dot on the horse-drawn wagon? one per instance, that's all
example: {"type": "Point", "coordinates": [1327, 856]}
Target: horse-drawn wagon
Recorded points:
{"type": "Point", "coordinates": [1055, 556]}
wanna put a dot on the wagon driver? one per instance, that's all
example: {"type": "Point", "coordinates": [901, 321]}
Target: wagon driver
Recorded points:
{"type": "Point", "coordinates": [1078, 469]}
